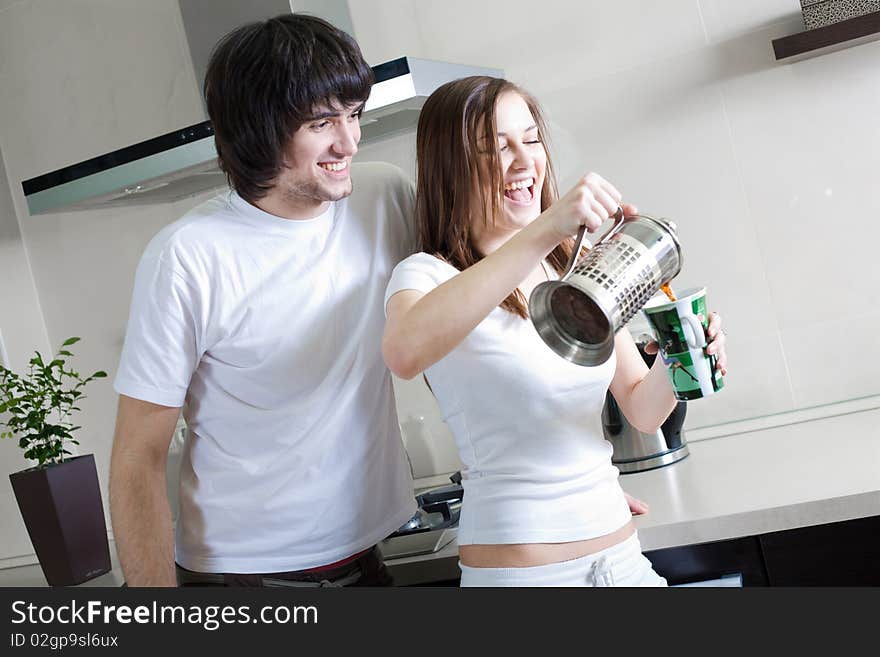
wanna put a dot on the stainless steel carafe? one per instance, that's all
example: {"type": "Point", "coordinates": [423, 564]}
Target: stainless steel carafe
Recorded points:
{"type": "Point", "coordinates": [579, 314]}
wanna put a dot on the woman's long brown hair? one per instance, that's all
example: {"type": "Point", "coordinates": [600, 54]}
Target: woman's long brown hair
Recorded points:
{"type": "Point", "coordinates": [459, 177]}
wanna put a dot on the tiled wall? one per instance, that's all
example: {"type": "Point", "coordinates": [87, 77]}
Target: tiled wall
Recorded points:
{"type": "Point", "coordinates": [769, 169]}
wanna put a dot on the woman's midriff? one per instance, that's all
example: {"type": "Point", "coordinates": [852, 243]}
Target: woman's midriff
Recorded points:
{"type": "Point", "coordinates": [523, 555]}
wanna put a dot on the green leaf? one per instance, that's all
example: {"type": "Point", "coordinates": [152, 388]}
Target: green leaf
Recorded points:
{"type": "Point", "coordinates": [35, 407]}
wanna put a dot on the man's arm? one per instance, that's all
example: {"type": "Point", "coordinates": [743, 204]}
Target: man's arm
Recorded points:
{"type": "Point", "coordinates": [139, 509]}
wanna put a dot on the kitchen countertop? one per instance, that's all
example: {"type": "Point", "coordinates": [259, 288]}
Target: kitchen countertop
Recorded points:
{"type": "Point", "coordinates": [809, 473]}
{"type": "Point", "coordinates": [765, 480]}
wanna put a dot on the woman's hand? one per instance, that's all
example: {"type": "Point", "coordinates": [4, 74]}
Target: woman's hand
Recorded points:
{"type": "Point", "coordinates": [636, 506]}
{"type": "Point", "coordinates": [589, 203]}
{"type": "Point", "coordinates": [717, 339]}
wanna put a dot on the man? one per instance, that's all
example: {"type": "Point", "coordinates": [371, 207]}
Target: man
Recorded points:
{"type": "Point", "coordinates": [259, 314]}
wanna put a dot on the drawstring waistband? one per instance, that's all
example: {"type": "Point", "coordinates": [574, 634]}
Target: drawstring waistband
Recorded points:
{"type": "Point", "coordinates": [613, 566]}
{"type": "Point", "coordinates": [600, 573]}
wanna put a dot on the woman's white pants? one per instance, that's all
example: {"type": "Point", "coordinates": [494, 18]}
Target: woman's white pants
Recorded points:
{"type": "Point", "coordinates": [620, 565]}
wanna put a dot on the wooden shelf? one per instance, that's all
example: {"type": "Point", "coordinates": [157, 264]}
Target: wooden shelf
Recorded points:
{"type": "Point", "coordinates": [844, 34]}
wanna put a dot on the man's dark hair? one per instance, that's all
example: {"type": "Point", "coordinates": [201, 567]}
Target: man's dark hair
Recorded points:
{"type": "Point", "coordinates": [265, 80]}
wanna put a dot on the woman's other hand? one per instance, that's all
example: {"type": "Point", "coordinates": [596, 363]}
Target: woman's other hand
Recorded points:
{"type": "Point", "coordinates": [636, 506]}
{"type": "Point", "coordinates": [717, 339]}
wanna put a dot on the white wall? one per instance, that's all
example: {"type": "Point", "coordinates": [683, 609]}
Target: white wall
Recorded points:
{"type": "Point", "coordinates": [768, 169]}
{"type": "Point", "coordinates": [21, 331]}
{"type": "Point", "coordinates": [78, 79]}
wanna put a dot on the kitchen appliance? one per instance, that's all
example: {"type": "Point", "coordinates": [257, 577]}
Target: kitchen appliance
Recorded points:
{"type": "Point", "coordinates": [579, 314]}
{"type": "Point", "coordinates": [637, 451]}
{"type": "Point", "coordinates": [434, 525]}
{"type": "Point", "coordinates": [183, 163]}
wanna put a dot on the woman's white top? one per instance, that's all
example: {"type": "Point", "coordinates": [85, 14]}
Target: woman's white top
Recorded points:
{"type": "Point", "coordinates": [528, 426]}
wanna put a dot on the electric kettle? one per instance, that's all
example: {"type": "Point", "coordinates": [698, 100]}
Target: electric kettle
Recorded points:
{"type": "Point", "coordinates": [637, 451]}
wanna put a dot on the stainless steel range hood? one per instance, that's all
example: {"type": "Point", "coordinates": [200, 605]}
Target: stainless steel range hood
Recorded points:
{"type": "Point", "coordinates": [183, 163]}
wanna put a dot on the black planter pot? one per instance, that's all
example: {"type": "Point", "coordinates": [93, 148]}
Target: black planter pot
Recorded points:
{"type": "Point", "coordinates": [62, 510]}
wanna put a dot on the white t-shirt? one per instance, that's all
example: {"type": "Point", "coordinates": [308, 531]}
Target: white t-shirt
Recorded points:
{"type": "Point", "coordinates": [537, 468]}
{"type": "Point", "coordinates": [268, 331]}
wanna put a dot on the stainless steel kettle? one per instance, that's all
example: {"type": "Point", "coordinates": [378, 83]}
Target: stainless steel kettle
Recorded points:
{"type": "Point", "coordinates": [637, 451]}
{"type": "Point", "coordinates": [579, 314]}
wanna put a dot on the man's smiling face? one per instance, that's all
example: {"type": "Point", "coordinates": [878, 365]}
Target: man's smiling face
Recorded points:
{"type": "Point", "coordinates": [317, 161]}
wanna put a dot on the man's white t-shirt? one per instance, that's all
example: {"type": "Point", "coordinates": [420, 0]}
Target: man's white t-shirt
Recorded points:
{"type": "Point", "coordinates": [527, 423]}
{"type": "Point", "coordinates": [268, 332]}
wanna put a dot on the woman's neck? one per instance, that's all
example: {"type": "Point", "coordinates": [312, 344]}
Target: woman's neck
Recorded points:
{"type": "Point", "coordinates": [488, 242]}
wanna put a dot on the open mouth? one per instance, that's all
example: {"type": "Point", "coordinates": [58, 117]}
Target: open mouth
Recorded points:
{"type": "Point", "coordinates": [520, 192]}
{"type": "Point", "coordinates": [334, 167]}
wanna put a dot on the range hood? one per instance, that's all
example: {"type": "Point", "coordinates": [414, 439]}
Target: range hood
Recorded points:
{"type": "Point", "coordinates": [184, 162]}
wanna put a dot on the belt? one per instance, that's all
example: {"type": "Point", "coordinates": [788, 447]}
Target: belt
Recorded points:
{"type": "Point", "coordinates": [341, 573]}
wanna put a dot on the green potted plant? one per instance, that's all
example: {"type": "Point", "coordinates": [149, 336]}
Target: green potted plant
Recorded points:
{"type": "Point", "coordinates": [59, 498]}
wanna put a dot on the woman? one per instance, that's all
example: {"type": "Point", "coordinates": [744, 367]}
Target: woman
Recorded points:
{"type": "Point", "coordinates": [542, 503]}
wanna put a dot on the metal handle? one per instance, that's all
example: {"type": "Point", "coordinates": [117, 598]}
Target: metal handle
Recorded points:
{"type": "Point", "coordinates": [613, 421]}
{"type": "Point", "coordinates": [579, 240]}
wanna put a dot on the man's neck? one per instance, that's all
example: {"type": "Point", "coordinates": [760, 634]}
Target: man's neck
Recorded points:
{"type": "Point", "coordinates": [287, 208]}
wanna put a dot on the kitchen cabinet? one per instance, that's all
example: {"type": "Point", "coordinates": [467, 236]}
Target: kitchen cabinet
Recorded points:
{"type": "Point", "coordinates": [707, 561]}
{"type": "Point", "coordinates": [836, 554]}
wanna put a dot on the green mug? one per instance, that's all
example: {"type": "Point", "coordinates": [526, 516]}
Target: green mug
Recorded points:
{"type": "Point", "coordinates": [681, 335]}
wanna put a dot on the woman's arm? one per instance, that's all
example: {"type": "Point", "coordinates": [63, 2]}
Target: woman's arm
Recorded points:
{"type": "Point", "coordinates": [645, 396]}
{"type": "Point", "coordinates": [422, 328]}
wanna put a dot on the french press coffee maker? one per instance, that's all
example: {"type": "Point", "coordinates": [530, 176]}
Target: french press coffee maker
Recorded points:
{"type": "Point", "coordinates": [579, 314]}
